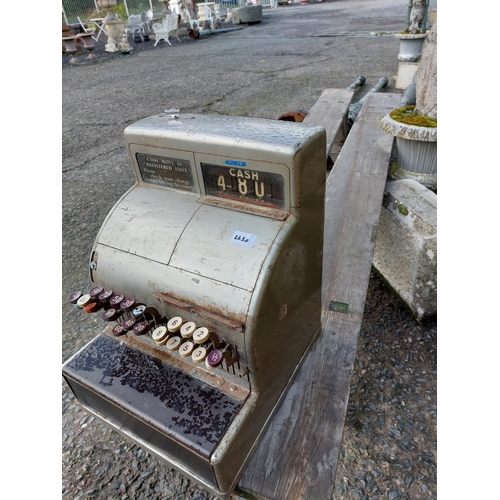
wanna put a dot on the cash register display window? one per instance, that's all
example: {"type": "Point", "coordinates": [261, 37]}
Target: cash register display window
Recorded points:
{"type": "Point", "coordinates": [168, 172]}
{"type": "Point", "coordinates": [241, 184]}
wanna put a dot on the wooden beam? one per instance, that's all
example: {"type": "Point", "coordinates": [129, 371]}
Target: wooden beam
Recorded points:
{"type": "Point", "coordinates": [330, 111]}
{"type": "Point", "coordinates": [298, 455]}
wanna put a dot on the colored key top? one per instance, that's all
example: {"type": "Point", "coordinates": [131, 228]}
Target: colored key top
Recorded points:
{"type": "Point", "coordinates": [127, 304]}
{"type": "Point", "coordinates": [95, 291]}
{"type": "Point", "coordinates": [92, 307]}
{"type": "Point", "coordinates": [138, 311]}
{"type": "Point", "coordinates": [111, 314]}
{"type": "Point", "coordinates": [105, 295]}
{"type": "Point", "coordinates": [118, 330]}
{"type": "Point", "coordinates": [115, 300]}
{"type": "Point", "coordinates": [128, 324]}
{"type": "Point", "coordinates": [214, 359]}
{"type": "Point", "coordinates": [73, 298]}
{"type": "Point", "coordinates": [141, 327]}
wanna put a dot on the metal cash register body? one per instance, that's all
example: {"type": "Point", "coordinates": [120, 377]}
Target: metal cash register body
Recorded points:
{"type": "Point", "coordinates": [221, 240]}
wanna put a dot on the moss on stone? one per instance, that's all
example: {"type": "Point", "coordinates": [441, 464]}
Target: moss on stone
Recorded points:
{"type": "Point", "coordinates": [407, 115]}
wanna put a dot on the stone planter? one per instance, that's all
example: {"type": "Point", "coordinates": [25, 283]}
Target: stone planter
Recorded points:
{"type": "Point", "coordinates": [410, 46]}
{"type": "Point", "coordinates": [247, 15]}
{"type": "Point", "coordinates": [417, 151]}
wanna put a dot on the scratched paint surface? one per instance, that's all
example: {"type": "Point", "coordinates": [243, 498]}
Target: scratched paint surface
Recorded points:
{"type": "Point", "coordinates": [187, 410]}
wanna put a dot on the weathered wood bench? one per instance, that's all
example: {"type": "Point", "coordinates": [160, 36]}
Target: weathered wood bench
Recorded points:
{"type": "Point", "coordinates": [331, 111]}
{"type": "Point", "coordinates": [297, 458]}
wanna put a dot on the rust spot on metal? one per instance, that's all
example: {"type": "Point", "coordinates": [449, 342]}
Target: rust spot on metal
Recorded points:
{"type": "Point", "coordinates": [234, 203]}
{"type": "Point", "coordinates": [212, 314]}
{"type": "Point", "coordinates": [293, 116]}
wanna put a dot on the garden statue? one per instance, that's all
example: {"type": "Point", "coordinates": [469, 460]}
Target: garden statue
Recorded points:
{"type": "Point", "coordinates": [417, 14]}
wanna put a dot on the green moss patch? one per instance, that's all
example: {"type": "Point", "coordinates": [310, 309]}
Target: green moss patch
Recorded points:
{"type": "Point", "coordinates": [407, 115]}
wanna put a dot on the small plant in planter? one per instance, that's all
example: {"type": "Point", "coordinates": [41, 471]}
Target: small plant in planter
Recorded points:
{"type": "Point", "coordinates": [412, 38]}
{"type": "Point", "coordinates": [416, 142]}
{"type": "Point", "coordinates": [415, 127]}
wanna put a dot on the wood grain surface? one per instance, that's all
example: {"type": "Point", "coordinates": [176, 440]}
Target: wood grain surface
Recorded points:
{"type": "Point", "coordinates": [297, 458]}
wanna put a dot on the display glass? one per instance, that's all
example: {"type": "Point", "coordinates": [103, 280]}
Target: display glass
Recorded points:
{"type": "Point", "coordinates": [168, 172]}
{"type": "Point", "coordinates": [241, 184]}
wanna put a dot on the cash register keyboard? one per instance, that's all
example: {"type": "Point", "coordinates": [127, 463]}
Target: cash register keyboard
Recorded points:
{"type": "Point", "coordinates": [183, 339]}
{"type": "Point", "coordinates": [169, 382]}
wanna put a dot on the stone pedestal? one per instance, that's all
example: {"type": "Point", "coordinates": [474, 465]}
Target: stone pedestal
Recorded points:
{"type": "Point", "coordinates": [115, 29]}
{"type": "Point", "coordinates": [406, 74]}
{"type": "Point", "coordinates": [406, 247]}
{"type": "Point", "coordinates": [410, 52]}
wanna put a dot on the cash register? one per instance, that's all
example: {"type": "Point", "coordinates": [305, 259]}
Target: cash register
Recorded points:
{"type": "Point", "coordinates": [206, 275]}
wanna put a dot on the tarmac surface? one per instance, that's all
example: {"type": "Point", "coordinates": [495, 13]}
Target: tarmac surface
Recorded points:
{"type": "Point", "coordinates": [264, 70]}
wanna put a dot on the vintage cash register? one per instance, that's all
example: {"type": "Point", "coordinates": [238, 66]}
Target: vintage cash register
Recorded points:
{"type": "Point", "coordinates": [207, 277]}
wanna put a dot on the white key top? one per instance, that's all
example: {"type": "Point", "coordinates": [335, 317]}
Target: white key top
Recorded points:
{"type": "Point", "coordinates": [187, 329]}
{"type": "Point", "coordinates": [174, 325]}
{"type": "Point", "coordinates": [199, 354]}
{"type": "Point", "coordinates": [173, 343]}
{"type": "Point", "coordinates": [186, 349]}
{"type": "Point", "coordinates": [201, 335]}
{"type": "Point", "coordinates": [160, 335]}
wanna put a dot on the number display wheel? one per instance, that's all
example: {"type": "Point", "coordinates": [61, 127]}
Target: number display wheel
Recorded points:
{"type": "Point", "coordinates": [214, 359]}
{"type": "Point", "coordinates": [186, 349]}
{"type": "Point", "coordinates": [187, 329]}
{"type": "Point", "coordinates": [173, 343]}
{"type": "Point", "coordinates": [199, 355]}
{"type": "Point", "coordinates": [73, 298]}
{"type": "Point", "coordinates": [174, 325]}
{"type": "Point", "coordinates": [160, 335]}
{"type": "Point", "coordinates": [83, 301]}
{"type": "Point", "coordinates": [201, 335]}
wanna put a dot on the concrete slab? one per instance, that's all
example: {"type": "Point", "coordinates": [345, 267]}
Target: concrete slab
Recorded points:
{"type": "Point", "coordinates": [406, 247]}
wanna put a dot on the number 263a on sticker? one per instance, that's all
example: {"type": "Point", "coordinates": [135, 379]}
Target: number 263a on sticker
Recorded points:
{"type": "Point", "coordinates": [244, 239]}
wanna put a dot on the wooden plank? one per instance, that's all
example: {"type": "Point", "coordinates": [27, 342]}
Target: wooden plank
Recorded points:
{"type": "Point", "coordinates": [298, 456]}
{"type": "Point", "coordinates": [330, 111]}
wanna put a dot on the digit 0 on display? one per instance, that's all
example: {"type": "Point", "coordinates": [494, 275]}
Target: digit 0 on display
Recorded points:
{"type": "Point", "coordinates": [242, 184]}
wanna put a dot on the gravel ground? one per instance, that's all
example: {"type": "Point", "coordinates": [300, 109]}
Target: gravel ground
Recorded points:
{"type": "Point", "coordinates": [389, 444]}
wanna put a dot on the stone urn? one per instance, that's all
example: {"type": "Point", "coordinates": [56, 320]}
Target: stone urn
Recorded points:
{"type": "Point", "coordinates": [410, 46]}
{"type": "Point", "coordinates": [108, 5]}
{"type": "Point", "coordinates": [416, 146]}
